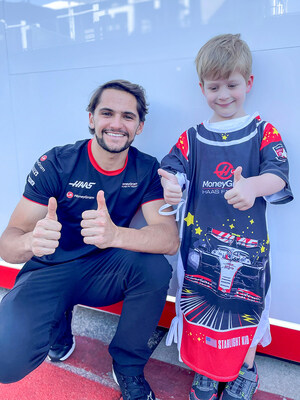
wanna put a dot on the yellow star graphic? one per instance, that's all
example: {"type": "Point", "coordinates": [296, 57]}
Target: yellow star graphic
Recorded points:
{"type": "Point", "coordinates": [231, 226]}
{"type": "Point", "coordinates": [198, 231]}
{"type": "Point", "coordinates": [263, 249]}
{"type": "Point", "coordinates": [251, 221]}
{"type": "Point", "coordinates": [189, 219]}
{"type": "Point", "coordinates": [224, 136]}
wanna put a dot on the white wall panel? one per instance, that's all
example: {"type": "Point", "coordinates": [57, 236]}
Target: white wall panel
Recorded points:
{"type": "Point", "coordinates": [9, 180]}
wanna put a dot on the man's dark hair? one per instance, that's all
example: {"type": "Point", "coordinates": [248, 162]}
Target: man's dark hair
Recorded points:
{"type": "Point", "coordinates": [136, 90]}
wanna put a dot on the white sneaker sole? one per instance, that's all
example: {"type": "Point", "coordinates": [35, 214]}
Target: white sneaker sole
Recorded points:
{"type": "Point", "coordinates": [114, 376]}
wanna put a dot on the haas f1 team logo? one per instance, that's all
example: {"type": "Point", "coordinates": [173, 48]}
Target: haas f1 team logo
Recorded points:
{"type": "Point", "coordinates": [224, 170]}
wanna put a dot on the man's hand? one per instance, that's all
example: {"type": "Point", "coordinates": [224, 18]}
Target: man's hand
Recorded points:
{"type": "Point", "coordinates": [172, 189]}
{"type": "Point", "coordinates": [98, 228]}
{"type": "Point", "coordinates": [243, 194]}
{"type": "Point", "coordinates": [46, 234]}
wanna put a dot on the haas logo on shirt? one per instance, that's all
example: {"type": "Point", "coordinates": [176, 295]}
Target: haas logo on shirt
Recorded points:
{"type": "Point", "coordinates": [224, 170]}
{"type": "Point", "coordinates": [82, 184]}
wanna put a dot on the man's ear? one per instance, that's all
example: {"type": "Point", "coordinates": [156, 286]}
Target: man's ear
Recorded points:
{"type": "Point", "coordinates": [249, 83]}
{"type": "Point", "coordinates": [91, 121]}
{"type": "Point", "coordinates": [140, 128]}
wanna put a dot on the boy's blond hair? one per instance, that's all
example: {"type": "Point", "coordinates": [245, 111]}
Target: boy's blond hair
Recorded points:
{"type": "Point", "coordinates": [222, 55]}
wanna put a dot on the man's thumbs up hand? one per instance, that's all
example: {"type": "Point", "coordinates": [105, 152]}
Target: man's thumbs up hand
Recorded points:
{"type": "Point", "coordinates": [172, 189]}
{"type": "Point", "coordinates": [101, 201]}
{"type": "Point", "coordinates": [46, 234]}
{"type": "Point", "coordinates": [98, 228]}
{"type": "Point", "coordinates": [52, 207]}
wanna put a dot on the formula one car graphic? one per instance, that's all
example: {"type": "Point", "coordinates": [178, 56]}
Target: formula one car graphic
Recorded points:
{"type": "Point", "coordinates": [228, 257]}
{"type": "Point", "coordinates": [229, 267]}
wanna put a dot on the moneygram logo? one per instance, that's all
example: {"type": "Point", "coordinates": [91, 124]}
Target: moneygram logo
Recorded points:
{"type": "Point", "coordinates": [224, 170]}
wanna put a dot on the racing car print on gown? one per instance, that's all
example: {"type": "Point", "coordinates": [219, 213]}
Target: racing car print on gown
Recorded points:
{"type": "Point", "coordinates": [223, 267]}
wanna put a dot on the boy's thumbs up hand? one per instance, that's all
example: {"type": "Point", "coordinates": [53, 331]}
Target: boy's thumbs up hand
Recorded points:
{"type": "Point", "coordinates": [98, 228]}
{"type": "Point", "coordinates": [242, 195]}
{"type": "Point", "coordinates": [237, 175]}
{"type": "Point", "coordinates": [172, 189]}
{"type": "Point", "coordinates": [46, 234]}
{"type": "Point", "coordinates": [167, 175]}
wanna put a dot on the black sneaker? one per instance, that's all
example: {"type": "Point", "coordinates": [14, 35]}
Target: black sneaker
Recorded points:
{"type": "Point", "coordinates": [203, 388]}
{"type": "Point", "coordinates": [61, 351]}
{"type": "Point", "coordinates": [65, 342]}
{"type": "Point", "coordinates": [133, 387]}
{"type": "Point", "coordinates": [245, 385]}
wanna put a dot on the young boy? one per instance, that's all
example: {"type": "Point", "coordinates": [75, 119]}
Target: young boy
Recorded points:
{"type": "Point", "coordinates": [229, 166]}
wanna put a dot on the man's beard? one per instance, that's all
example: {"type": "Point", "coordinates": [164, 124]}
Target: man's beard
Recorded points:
{"type": "Point", "coordinates": [104, 146]}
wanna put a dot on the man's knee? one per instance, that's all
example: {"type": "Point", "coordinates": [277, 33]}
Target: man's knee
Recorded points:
{"type": "Point", "coordinates": [19, 351]}
{"type": "Point", "coordinates": [153, 270]}
{"type": "Point", "coordinates": [18, 356]}
{"type": "Point", "coordinates": [8, 375]}
{"type": "Point", "coordinates": [10, 363]}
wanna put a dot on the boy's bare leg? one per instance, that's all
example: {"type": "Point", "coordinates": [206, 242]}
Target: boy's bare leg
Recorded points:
{"type": "Point", "coordinates": [249, 359]}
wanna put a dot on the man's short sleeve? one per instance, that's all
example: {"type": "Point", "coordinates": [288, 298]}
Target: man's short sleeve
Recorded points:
{"type": "Point", "coordinates": [43, 180]}
{"type": "Point", "coordinates": [154, 189]}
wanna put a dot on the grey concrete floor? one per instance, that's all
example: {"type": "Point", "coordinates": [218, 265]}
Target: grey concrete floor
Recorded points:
{"type": "Point", "coordinates": [276, 376]}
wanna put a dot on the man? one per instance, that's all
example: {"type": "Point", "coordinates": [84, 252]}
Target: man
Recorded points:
{"type": "Point", "coordinates": [72, 229]}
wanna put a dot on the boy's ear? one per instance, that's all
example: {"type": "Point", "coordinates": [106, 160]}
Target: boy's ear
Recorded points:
{"type": "Point", "coordinates": [202, 88]}
{"type": "Point", "coordinates": [249, 83]}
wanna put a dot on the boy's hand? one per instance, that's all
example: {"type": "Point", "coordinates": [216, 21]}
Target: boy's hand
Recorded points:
{"type": "Point", "coordinates": [98, 228]}
{"type": "Point", "coordinates": [46, 234]}
{"type": "Point", "coordinates": [242, 196]}
{"type": "Point", "coordinates": [172, 189]}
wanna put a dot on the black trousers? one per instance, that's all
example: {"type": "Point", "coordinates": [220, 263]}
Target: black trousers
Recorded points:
{"type": "Point", "coordinates": [42, 293]}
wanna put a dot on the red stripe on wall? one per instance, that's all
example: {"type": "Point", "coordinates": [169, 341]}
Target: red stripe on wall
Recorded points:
{"type": "Point", "coordinates": [8, 276]}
